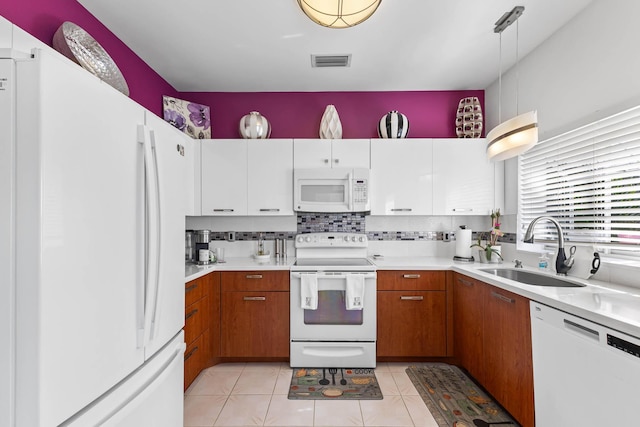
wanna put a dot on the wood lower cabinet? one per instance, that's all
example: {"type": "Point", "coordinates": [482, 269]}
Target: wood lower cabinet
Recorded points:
{"type": "Point", "coordinates": [468, 309]}
{"type": "Point", "coordinates": [255, 314]}
{"type": "Point", "coordinates": [412, 314]}
{"type": "Point", "coordinates": [493, 342]}
{"type": "Point", "coordinates": [201, 325]}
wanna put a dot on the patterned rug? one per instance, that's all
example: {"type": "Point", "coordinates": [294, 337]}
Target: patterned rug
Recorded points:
{"type": "Point", "coordinates": [454, 399]}
{"type": "Point", "coordinates": [334, 383]}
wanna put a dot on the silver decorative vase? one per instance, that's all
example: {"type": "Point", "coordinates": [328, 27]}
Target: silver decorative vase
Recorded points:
{"type": "Point", "coordinates": [330, 126]}
{"type": "Point", "coordinates": [254, 126]}
{"type": "Point", "coordinates": [469, 119]}
{"type": "Point", "coordinates": [393, 125]}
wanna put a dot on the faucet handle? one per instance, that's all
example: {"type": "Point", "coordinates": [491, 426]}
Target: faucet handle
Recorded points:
{"type": "Point", "coordinates": [518, 263]}
{"type": "Point", "coordinates": [569, 262]}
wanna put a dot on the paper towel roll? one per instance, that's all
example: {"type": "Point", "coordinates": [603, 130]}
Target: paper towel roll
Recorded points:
{"type": "Point", "coordinates": [463, 243]}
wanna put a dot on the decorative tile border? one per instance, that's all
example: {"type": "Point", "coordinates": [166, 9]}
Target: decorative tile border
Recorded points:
{"type": "Point", "coordinates": [347, 223]}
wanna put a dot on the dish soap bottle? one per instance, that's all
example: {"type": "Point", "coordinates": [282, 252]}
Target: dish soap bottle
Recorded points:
{"type": "Point", "coordinates": [543, 262]}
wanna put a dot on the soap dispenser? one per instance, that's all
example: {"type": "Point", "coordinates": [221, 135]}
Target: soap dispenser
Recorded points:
{"type": "Point", "coordinates": [543, 262]}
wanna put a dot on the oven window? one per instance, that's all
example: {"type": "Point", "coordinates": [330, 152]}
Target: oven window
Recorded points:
{"type": "Point", "coordinates": [332, 311]}
{"type": "Point", "coordinates": [322, 193]}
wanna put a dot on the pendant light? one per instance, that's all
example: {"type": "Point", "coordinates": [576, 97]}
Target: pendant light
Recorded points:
{"type": "Point", "coordinates": [520, 133]}
{"type": "Point", "coordinates": [338, 13]}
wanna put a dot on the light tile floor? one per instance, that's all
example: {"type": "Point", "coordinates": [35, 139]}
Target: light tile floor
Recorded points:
{"type": "Point", "coordinates": [255, 394]}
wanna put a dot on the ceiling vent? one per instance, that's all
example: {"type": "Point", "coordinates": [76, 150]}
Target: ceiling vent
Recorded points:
{"type": "Point", "coordinates": [330, 61]}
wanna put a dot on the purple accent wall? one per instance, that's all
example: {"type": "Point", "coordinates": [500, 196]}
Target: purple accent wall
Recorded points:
{"type": "Point", "coordinates": [291, 114]}
{"type": "Point", "coordinates": [431, 114]}
{"type": "Point", "coordinates": [41, 18]}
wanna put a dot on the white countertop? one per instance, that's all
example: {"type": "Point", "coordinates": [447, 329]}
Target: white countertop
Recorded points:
{"type": "Point", "coordinates": [193, 271]}
{"type": "Point", "coordinates": [614, 306]}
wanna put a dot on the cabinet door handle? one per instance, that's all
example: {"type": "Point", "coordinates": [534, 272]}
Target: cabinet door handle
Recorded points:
{"type": "Point", "coordinates": [269, 210]}
{"type": "Point", "coordinates": [254, 276]}
{"type": "Point", "coordinates": [325, 160]}
{"type": "Point", "coordinates": [336, 161]}
{"type": "Point", "coordinates": [502, 297]}
{"type": "Point", "coordinates": [412, 298]}
{"type": "Point", "coordinates": [255, 298]}
{"type": "Point", "coordinates": [190, 288]}
{"type": "Point", "coordinates": [462, 209]}
{"type": "Point", "coordinates": [401, 209]}
{"type": "Point", "coordinates": [223, 210]}
{"type": "Point", "coordinates": [465, 282]}
{"type": "Point", "coordinates": [410, 276]}
{"type": "Point", "coordinates": [191, 353]}
{"type": "Point", "coordinates": [191, 313]}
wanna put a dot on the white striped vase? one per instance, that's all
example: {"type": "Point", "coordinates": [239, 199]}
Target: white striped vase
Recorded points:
{"type": "Point", "coordinates": [393, 125]}
{"type": "Point", "coordinates": [254, 126]}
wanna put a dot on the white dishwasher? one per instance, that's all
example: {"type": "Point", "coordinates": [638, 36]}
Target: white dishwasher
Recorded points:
{"type": "Point", "coordinates": [584, 373]}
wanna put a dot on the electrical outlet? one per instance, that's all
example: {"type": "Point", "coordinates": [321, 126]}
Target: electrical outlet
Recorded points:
{"type": "Point", "coordinates": [231, 236]}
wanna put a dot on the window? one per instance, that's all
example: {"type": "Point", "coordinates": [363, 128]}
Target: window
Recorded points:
{"type": "Point", "coordinates": [589, 180]}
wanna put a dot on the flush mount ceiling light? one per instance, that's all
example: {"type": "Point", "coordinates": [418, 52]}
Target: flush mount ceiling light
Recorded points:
{"type": "Point", "coordinates": [516, 135]}
{"type": "Point", "coordinates": [338, 13]}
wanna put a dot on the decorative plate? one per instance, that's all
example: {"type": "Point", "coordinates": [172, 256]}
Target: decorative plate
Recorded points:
{"type": "Point", "coordinates": [77, 45]}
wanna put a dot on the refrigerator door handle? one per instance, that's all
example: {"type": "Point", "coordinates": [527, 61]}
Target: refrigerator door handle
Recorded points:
{"type": "Point", "coordinates": [158, 230]}
{"type": "Point", "coordinates": [152, 224]}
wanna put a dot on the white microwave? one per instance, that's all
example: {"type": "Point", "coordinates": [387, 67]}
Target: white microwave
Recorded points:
{"type": "Point", "coordinates": [331, 190]}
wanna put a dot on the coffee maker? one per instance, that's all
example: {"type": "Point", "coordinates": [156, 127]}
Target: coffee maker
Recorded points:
{"type": "Point", "coordinates": [202, 239]}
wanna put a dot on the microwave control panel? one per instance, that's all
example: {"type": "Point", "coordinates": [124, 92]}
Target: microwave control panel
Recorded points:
{"type": "Point", "coordinates": [360, 190]}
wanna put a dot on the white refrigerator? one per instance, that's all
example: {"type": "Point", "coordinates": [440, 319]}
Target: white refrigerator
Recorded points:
{"type": "Point", "coordinates": [92, 273]}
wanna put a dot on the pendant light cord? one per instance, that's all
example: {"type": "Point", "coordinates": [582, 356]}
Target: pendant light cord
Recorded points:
{"type": "Point", "coordinates": [500, 82]}
{"type": "Point", "coordinates": [517, 65]}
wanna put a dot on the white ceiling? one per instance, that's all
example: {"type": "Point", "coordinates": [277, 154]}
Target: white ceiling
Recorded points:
{"type": "Point", "coordinates": [266, 45]}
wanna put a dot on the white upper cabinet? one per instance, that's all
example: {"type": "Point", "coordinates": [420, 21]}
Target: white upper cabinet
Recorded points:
{"type": "Point", "coordinates": [464, 181]}
{"type": "Point", "coordinates": [401, 177]}
{"type": "Point", "coordinates": [270, 185]}
{"type": "Point", "coordinates": [224, 177]}
{"type": "Point", "coordinates": [192, 171]}
{"type": "Point", "coordinates": [331, 153]}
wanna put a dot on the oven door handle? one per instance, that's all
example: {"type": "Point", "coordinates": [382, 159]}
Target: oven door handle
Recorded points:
{"type": "Point", "coordinates": [342, 276]}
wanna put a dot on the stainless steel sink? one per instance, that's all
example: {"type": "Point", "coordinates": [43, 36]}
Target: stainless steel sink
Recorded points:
{"type": "Point", "coordinates": [531, 278]}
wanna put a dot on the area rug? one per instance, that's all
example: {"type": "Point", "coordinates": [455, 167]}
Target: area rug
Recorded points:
{"type": "Point", "coordinates": [334, 383]}
{"type": "Point", "coordinates": [454, 399]}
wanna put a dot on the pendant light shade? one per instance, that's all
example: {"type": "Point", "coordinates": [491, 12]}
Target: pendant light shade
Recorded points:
{"type": "Point", "coordinates": [513, 137]}
{"type": "Point", "coordinates": [338, 13]}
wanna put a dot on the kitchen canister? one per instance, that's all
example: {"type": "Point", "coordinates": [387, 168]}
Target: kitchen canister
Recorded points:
{"type": "Point", "coordinates": [393, 125]}
{"type": "Point", "coordinates": [254, 126]}
{"type": "Point", "coordinates": [330, 126]}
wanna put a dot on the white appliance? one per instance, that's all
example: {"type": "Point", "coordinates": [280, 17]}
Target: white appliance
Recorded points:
{"type": "Point", "coordinates": [585, 375]}
{"type": "Point", "coordinates": [92, 273]}
{"type": "Point", "coordinates": [332, 336]}
{"type": "Point", "coordinates": [331, 190]}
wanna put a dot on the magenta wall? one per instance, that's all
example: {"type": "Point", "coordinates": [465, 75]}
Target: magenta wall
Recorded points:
{"type": "Point", "coordinates": [298, 114]}
{"type": "Point", "coordinates": [41, 18]}
{"type": "Point", "coordinates": [292, 114]}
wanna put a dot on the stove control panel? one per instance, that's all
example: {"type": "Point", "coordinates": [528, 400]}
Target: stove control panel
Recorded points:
{"type": "Point", "coordinates": [328, 240]}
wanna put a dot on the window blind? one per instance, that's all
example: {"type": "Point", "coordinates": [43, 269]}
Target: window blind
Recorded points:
{"type": "Point", "coordinates": [589, 180]}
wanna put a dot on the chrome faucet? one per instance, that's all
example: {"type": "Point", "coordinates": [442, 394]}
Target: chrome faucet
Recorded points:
{"type": "Point", "coordinates": [562, 263]}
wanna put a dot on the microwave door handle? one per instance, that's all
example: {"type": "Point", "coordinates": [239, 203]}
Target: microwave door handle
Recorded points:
{"type": "Point", "coordinates": [350, 191]}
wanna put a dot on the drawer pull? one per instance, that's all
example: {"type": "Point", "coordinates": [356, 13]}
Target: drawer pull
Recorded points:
{"type": "Point", "coordinates": [191, 313]}
{"type": "Point", "coordinates": [191, 353]}
{"type": "Point", "coordinates": [190, 288]}
{"type": "Point", "coordinates": [254, 276]}
{"type": "Point", "coordinates": [465, 282]}
{"type": "Point", "coordinates": [412, 298]}
{"type": "Point", "coordinates": [411, 276]}
{"type": "Point", "coordinates": [255, 298]}
{"type": "Point", "coordinates": [401, 209]}
{"type": "Point", "coordinates": [462, 209]}
{"type": "Point", "coordinates": [269, 210]}
{"type": "Point", "coordinates": [223, 210]}
{"type": "Point", "coordinates": [502, 297]}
